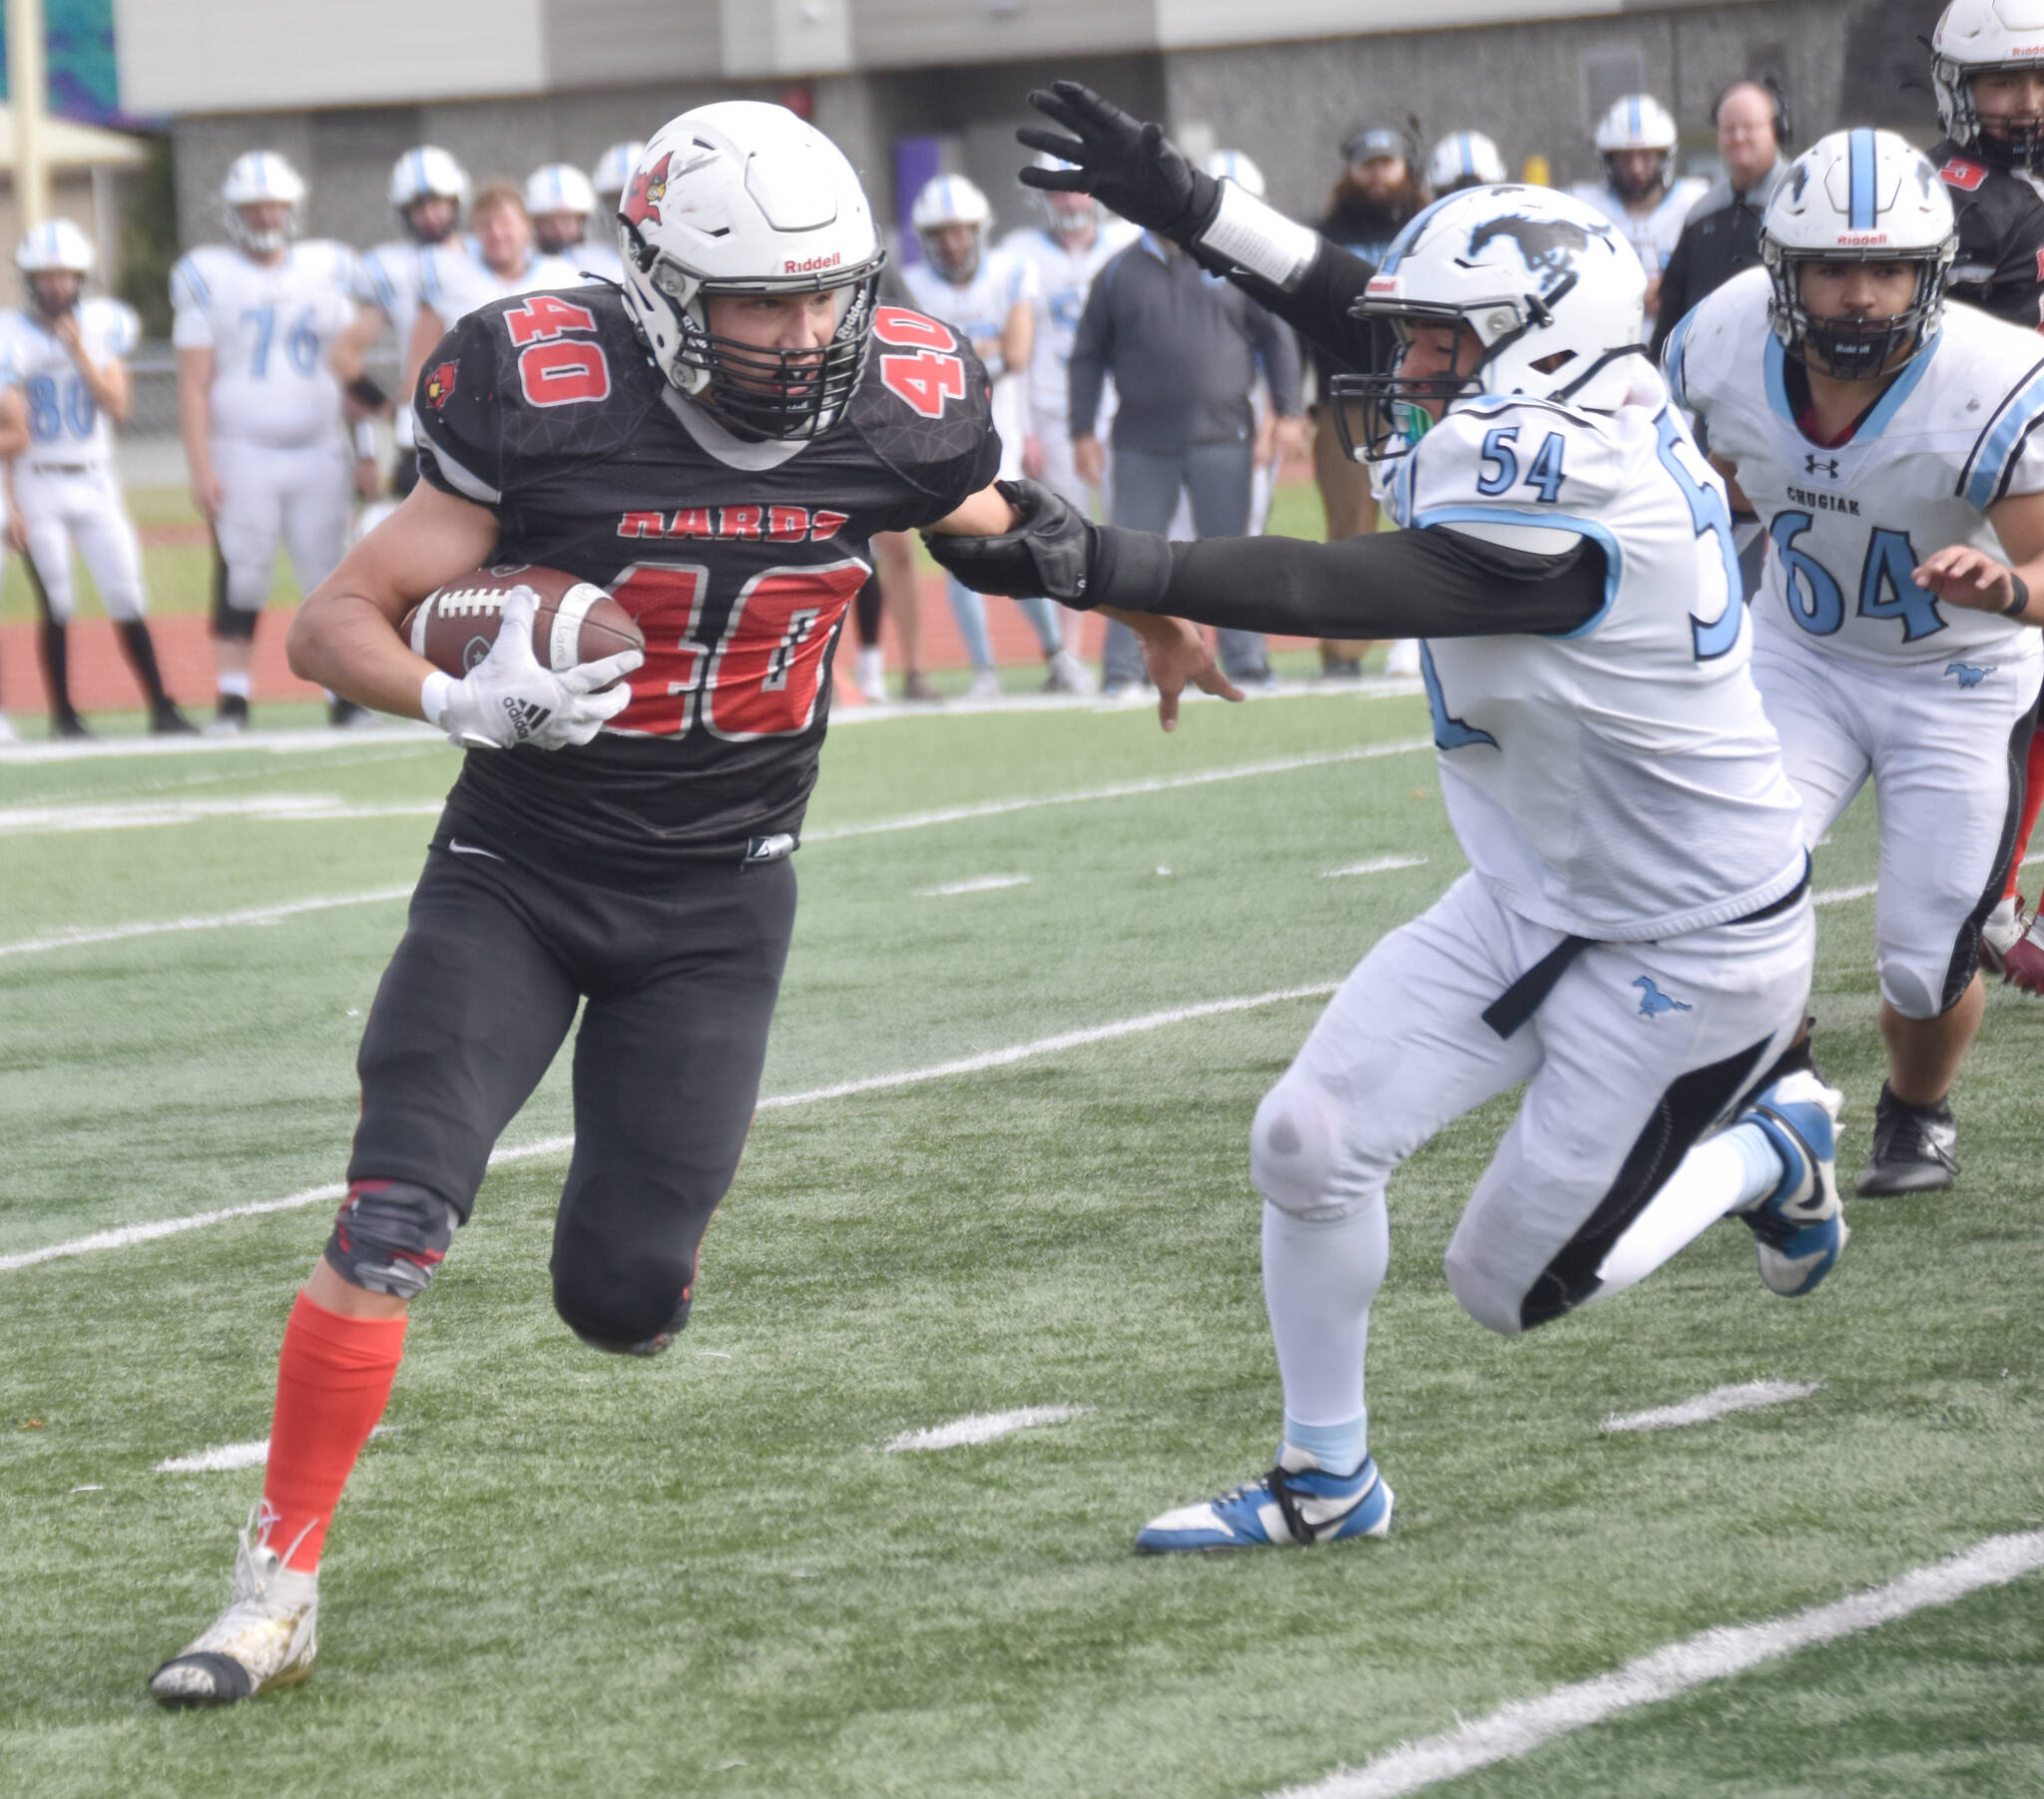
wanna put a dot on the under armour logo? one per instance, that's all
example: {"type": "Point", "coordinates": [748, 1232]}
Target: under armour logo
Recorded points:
{"type": "Point", "coordinates": [526, 715]}
{"type": "Point", "coordinates": [1652, 1001]}
{"type": "Point", "coordinates": [1813, 463]}
{"type": "Point", "coordinates": [1967, 676]}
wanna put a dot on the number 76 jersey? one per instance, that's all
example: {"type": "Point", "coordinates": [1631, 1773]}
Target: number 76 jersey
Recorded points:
{"type": "Point", "coordinates": [1955, 431]}
{"type": "Point", "coordinates": [738, 558]}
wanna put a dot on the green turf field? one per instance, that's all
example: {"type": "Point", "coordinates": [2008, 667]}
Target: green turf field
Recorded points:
{"type": "Point", "coordinates": [559, 1574]}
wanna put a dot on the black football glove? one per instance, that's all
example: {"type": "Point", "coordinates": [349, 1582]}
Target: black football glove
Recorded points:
{"type": "Point", "coordinates": [1130, 167]}
{"type": "Point", "coordinates": [1050, 554]}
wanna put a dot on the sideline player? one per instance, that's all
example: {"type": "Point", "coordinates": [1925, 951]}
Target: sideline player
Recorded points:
{"type": "Point", "coordinates": [429, 194]}
{"type": "Point", "coordinates": [990, 295]}
{"type": "Point", "coordinates": [1640, 192]}
{"type": "Point", "coordinates": [1568, 556]}
{"type": "Point", "coordinates": [561, 201]}
{"type": "Point", "coordinates": [65, 352]}
{"type": "Point", "coordinates": [1463, 159]}
{"type": "Point", "coordinates": [715, 442]}
{"type": "Point", "coordinates": [1989, 76]}
{"type": "Point", "coordinates": [1886, 443]}
{"type": "Point", "coordinates": [257, 406]}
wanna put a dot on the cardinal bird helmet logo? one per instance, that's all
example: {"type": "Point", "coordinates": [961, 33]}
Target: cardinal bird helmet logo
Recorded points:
{"type": "Point", "coordinates": [648, 191]}
{"type": "Point", "coordinates": [441, 386]}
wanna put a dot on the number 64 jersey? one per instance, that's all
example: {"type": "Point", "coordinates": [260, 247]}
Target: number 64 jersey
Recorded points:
{"type": "Point", "coordinates": [738, 558]}
{"type": "Point", "coordinates": [1619, 782]}
{"type": "Point", "coordinates": [1954, 432]}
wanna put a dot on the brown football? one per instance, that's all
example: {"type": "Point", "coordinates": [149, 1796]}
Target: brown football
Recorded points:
{"type": "Point", "coordinates": [575, 621]}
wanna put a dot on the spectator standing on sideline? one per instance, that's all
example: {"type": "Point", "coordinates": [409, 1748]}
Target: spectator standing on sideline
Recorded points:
{"type": "Point", "coordinates": [1183, 349]}
{"type": "Point", "coordinates": [1722, 235]}
{"type": "Point", "coordinates": [1376, 194]}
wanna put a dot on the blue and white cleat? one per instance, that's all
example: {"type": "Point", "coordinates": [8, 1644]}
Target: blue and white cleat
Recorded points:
{"type": "Point", "coordinates": [1800, 1228]}
{"type": "Point", "coordinates": [1302, 1503]}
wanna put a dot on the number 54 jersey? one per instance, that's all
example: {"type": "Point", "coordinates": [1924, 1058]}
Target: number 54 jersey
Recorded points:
{"type": "Point", "coordinates": [738, 558]}
{"type": "Point", "coordinates": [1618, 781]}
{"type": "Point", "coordinates": [1955, 431]}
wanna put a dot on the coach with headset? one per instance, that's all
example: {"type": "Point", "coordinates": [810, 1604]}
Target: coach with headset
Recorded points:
{"type": "Point", "coordinates": [1722, 235]}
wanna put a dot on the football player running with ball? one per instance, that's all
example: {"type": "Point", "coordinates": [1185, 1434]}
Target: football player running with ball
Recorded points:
{"type": "Point", "coordinates": [715, 442]}
{"type": "Point", "coordinates": [1633, 942]}
{"type": "Point", "coordinates": [1887, 444]}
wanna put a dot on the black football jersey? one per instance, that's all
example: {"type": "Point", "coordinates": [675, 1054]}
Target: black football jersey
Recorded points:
{"type": "Point", "coordinates": [2000, 263]}
{"type": "Point", "coordinates": [547, 409]}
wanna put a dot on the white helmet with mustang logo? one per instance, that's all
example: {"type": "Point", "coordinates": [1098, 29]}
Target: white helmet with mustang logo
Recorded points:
{"type": "Point", "coordinates": [743, 198]}
{"type": "Point", "coordinates": [1550, 290]}
{"type": "Point", "coordinates": [1858, 197]}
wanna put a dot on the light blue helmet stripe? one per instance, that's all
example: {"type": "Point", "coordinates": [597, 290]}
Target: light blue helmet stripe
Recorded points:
{"type": "Point", "coordinates": [1633, 104]}
{"type": "Point", "coordinates": [1469, 157]}
{"type": "Point", "coordinates": [1859, 167]}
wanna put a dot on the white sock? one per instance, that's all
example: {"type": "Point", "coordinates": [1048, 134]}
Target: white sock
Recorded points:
{"type": "Point", "coordinates": [1319, 1275]}
{"type": "Point", "coordinates": [1724, 1174]}
{"type": "Point", "coordinates": [237, 685]}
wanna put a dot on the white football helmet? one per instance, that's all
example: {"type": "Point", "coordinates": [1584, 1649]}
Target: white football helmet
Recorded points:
{"type": "Point", "coordinates": [739, 197]}
{"type": "Point", "coordinates": [1973, 37]}
{"type": "Point", "coordinates": [1464, 159]}
{"type": "Point", "coordinates": [613, 171]}
{"type": "Point", "coordinates": [558, 188]}
{"type": "Point", "coordinates": [54, 244]}
{"type": "Point", "coordinates": [1858, 197]}
{"type": "Point", "coordinates": [428, 173]}
{"type": "Point", "coordinates": [1065, 215]}
{"type": "Point", "coordinates": [56, 247]}
{"type": "Point", "coordinates": [1552, 293]}
{"type": "Point", "coordinates": [1638, 122]}
{"type": "Point", "coordinates": [951, 199]}
{"type": "Point", "coordinates": [262, 175]}
{"type": "Point", "coordinates": [1238, 167]}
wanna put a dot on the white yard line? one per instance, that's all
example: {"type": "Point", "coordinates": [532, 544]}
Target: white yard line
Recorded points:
{"type": "Point", "coordinates": [984, 1428]}
{"type": "Point", "coordinates": [319, 808]}
{"type": "Point", "coordinates": [986, 883]}
{"type": "Point", "coordinates": [255, 915]}
{"type": "Point", "coordinates": [1748, 1396]}
{"type": "Point", "coordinates": [227, 1457]}
{"type": "Point", "coordinates": [1381, 865]}
{"type": "Point", "coordinates": [1520, 1728]}
{"type": "Point", "coordinates": [127, 1236]}
{"type": "Point", "coordinates": [1159, 784]}
{"type": "Point", "coordinates": [306, 740]}
{"type": "Point", "coordinates": [1837, 896]}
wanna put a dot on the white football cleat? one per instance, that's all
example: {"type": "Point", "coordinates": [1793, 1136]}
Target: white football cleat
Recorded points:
{"type": "Point", "coordinates": [872, 675]}
{"type": "Point", "coordinates": [1800, 1228]}
{"type": "Point", "coordinates": [266, 1638]}
{"type": "Point", "coordinates": [1068, 674]}
{"type": "Point", "coordinates": [986, 685]}
{"type": "Point", "coordinates": [7, 731]}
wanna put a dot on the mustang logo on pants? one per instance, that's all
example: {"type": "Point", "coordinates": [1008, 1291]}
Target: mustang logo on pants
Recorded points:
{"type": "Point", "coordinates": [1652, 1001]}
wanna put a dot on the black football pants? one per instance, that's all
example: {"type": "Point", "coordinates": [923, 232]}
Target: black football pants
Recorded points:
{"type": "Point", "coordinates": [681, 984]}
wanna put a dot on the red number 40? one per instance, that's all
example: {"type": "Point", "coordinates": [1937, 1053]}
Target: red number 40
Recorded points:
{"type": "Point", "coordinates": [931, 378]}
{"type": "Point", "coordinates": [557, 373]}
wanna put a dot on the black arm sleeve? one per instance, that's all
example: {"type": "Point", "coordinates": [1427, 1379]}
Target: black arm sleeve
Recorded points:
{"type": "Point", "coordinates": [1319, 306]}
{"type": "Point", "coordinates": [1392, 584]}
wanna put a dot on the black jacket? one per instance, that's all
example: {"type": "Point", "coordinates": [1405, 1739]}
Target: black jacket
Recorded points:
{"type": "Point", "coordinates": [1720, 238]}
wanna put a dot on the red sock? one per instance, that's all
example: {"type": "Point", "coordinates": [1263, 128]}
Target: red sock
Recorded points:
{"type": "Point", "coordinates": [2033, 797]}
{"type": "Point", "coordinates": [333, 1382]}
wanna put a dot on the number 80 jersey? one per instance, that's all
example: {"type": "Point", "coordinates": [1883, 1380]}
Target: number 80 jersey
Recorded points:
{"type": "Point", "coordinates": [64, 423]}
{"type": "Point", "coordinates": [738, 558]}
{"type": "Point", "coordinates": [1954, 432]}
{"type": "Point", "coordinates": [1618, 781]}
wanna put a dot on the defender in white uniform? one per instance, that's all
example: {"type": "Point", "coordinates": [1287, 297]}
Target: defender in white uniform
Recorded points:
{"type": "Point", "coordinates": [1873, 430]}
{"type": "Point", "coordinates": [562, 201]}
{"type": "Point", "coordinates": [429, 195]}
{"type": "Point", "coordinates": [1640, 192]}
{"type": "Point", "coordinates": [453, 281]}
{"type": "Point", "coordinates": [259, 407]}
{"type": "Point", "coordinates": [65, 354]}
{"type": "Point", "coordinates": [1634, 939]}
{"type": "Point", "coordinates": [990, 295]}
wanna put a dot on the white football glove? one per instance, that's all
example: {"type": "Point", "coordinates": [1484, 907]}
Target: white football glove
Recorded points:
{"type": "Point", "coordinates": [510, 698]}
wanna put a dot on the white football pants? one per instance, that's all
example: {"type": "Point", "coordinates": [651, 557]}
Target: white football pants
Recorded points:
{"type": "Point", "coordinates": [1944, 742]}
{"type": "Point", "coordinates": [1636, 1052]}
{"type": "Point", "coordinates": [299, 497]}
{"type": "Point", "coordinates": [63, 508]}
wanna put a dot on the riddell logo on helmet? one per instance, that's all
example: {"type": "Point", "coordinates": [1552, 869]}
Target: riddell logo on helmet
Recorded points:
{"type": "Point", "coordinates": [1861, 240]}
{"type": "Point", "coordinates": [811, 265]}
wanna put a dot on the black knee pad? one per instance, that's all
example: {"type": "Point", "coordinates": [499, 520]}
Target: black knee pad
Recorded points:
{"type": "Point", "coordinates": [618, 1285]}
{"type": "Point", "coordinates": [390, 1237]}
